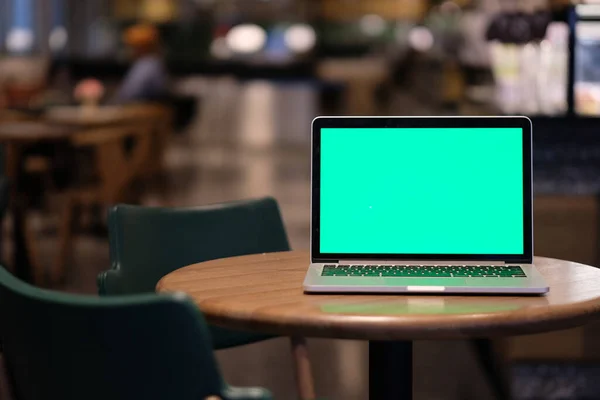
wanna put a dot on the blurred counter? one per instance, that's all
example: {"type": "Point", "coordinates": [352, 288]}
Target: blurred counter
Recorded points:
{"type": "Point", "coordinates": [112, 69]}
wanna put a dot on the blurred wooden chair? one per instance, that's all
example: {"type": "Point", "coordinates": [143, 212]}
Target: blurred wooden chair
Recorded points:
{"type": "Point", "coordinates": [160, 117]}
{"type": "Point", "coordinates": [34, 163]}
{"type": "Point", "coordinates": [28, 155]}
{"type": "Point", "coordinates": [115, 168]}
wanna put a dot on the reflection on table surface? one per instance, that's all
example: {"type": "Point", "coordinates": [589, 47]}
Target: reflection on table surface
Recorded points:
{"type": "Point", "coordinates": [429, 306]}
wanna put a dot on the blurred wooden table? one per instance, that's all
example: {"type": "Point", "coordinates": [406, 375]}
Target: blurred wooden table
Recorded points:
{"type": "Point", "coordinates": [89, 117]}
{"type": "Point", "coordinates": [157, 117]}
{"type": "Point", "coordinates": [264, 293]}
{"type": "Point", "coordinates": [362, 76]}
{"type": "Point", "coordinates": [17, 137]}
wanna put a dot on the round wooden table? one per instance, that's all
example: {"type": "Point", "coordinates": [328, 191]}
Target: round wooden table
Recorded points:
{"type": "Point", "coordinates": [156, 115]}
{"type": "Point", "coordinates": [264, 293]}
{"type": "Point", "coordinates": [102, 115]}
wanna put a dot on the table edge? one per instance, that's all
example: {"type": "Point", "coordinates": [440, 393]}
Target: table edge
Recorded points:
{"type": "Point", "coordinates": [497, 324]}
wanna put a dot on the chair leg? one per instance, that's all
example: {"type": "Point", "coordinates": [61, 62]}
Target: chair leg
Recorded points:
{"type": "Point", "coordinates": [5, 387]}
{"type": "Point", "coordinates": [304, 379]}
{"type": "Point", "coordinates": [65, 245]}
{"type": "Point", "coordinates": [496, 376]}
{"type": "Point", "coordinates": [34, 260]}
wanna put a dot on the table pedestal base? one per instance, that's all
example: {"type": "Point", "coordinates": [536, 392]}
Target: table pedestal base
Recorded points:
{"type": "Point", "coordinates": [390, 370]}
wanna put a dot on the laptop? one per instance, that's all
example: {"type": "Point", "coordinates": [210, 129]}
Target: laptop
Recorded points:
{"type": "Point", "coordinates": [422, 205]}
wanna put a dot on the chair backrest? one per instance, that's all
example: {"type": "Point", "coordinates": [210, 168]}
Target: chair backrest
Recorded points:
{"type": "Point", "coordinates": [64, 346]}
{"type": "Point", "coordinates": [147, 243]}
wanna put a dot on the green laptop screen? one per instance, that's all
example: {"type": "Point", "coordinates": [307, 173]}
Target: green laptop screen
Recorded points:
{"type": "Point", "coordinates": [422, 191]}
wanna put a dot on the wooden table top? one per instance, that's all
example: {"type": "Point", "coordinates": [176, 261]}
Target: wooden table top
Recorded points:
{"type": "Point", "coordinates": [264, 293]}
{"type": "Point", "coordinates": [91, 117]}
{"type": "Point", "coordinates": [87, 117]}
{"type": "Point", "coordinates": [33, 132]}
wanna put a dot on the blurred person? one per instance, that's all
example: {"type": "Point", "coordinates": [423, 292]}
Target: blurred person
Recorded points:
{"type": "Point", "coordinates": [147, 79]}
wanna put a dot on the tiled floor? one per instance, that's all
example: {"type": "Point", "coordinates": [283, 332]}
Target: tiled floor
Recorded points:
{"type": "Point", "coordinates": [252, 140]}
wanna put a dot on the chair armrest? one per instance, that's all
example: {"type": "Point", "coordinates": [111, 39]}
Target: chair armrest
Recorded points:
{"type": "Point", "coordinates": [253, 393]}
{"type": "Point", "coordinates": [101, 282]}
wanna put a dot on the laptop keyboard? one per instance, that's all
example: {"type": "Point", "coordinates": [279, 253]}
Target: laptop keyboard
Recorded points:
{"type": "Point", "coordinates": [426, 271]}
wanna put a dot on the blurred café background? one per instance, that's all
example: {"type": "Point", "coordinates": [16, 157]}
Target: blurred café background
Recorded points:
{"type": "Point", "coordinates": [241, 82]}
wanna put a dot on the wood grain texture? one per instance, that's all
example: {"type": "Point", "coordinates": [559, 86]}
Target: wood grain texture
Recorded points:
{"type": "Point", "coordinates": [264, 293]}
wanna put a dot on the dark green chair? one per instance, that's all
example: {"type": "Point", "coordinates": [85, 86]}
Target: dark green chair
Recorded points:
{"type": "Point", "coordinates": [72, 347]}
{"type": "Point", "coordinates": [147, 243]}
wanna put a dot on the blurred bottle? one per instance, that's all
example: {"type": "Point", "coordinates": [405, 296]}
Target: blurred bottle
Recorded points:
{"type": "Point", "coordinates": [522, 60]}
{"type": "Point", "coordinates": [521, 33]}
{"type": "Point", "coordinates": [553, 71]}
{"type": "Point", "coordinates": [504, 57]}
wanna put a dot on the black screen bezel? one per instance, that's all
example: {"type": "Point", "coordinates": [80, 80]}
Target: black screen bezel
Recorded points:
{"type": "Point", "coordinates": [425, 122]}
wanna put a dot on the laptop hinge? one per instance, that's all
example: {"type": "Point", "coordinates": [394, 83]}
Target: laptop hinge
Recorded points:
{"type": "Point", "coordinates": [324, 261]}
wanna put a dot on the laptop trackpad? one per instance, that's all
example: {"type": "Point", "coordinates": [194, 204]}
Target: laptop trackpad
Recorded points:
{"type": "Point", "coordinates": [433, 289]}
